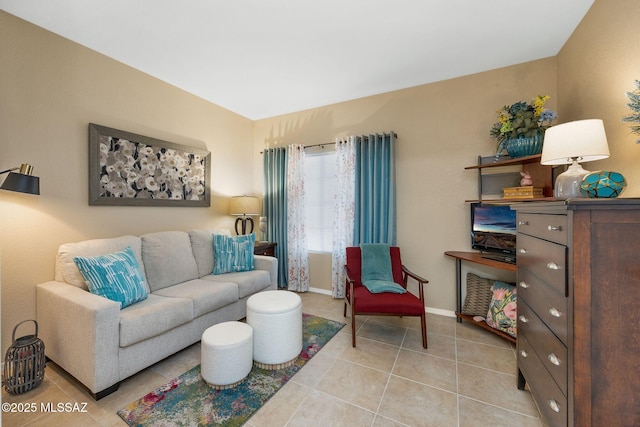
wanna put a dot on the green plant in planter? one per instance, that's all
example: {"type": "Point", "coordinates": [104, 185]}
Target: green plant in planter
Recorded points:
{"type": "Point", "coordinates": [634, 104]}
{"type": "Point", "coordinates": [522, 119]}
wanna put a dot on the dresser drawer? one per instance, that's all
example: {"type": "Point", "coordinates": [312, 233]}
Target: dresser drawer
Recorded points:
{"type": "Point", "coordinates": [544, 226]}
{"type": "Point", "coordinates": [551, 402]}
{"type": "Point", "coordinates": [545, 259]}
{"type": "Point", "coordinates": [551, 351]}
{"type": "Point", "coordinates": [550, 305]}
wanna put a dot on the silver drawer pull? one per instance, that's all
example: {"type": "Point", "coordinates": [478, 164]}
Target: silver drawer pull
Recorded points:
{"type": "Point", "coordinates": [523, 319]}
{"type": "Point", "coordinates": [554, 312]}
{"type": "Point", "coordinates": [554, 359]}
{"type": "Point", "coordinates": [553, 266]}
{"type": "Point", "coordinates": [524, 285]}
{"type": "Point", "coordinates": [523, 353]}
{"type": "Point", "coordinates": [523, 222]}
{"type": "Point", "coordinates": [522, 251]}
{"type": "Point", "coordinates": [554, 405]}
{"type": "Point", "coordinates": [554, 228]}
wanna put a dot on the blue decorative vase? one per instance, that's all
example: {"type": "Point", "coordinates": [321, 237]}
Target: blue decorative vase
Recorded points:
{"type": "Point", "coordinates": [602, 184]}
{"type": "Point", "coordinates": [524, 145]}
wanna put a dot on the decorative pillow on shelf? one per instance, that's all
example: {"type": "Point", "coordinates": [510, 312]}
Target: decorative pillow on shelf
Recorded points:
{"type": "Point", "coordinates": [479, 295]}
{"type": "Point", "coordinates": [502, 314]}
{"type": "Point", "coordinates": [233, 253]}
{"type": "Point", "coordinates": [115, 276]}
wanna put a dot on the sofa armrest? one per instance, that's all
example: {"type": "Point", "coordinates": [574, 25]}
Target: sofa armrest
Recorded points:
{"type": "Point", "coordinates": [80, 331]}
{"type": "Point", "coordinates": [269, 263]}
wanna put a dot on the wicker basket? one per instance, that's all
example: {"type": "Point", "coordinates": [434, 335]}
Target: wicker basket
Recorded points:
{"type": "Point", "coordinates": [24, 362]}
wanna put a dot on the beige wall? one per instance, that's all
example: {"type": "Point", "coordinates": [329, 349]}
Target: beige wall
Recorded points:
{"type": "Point", "coordinates": [442, 128]}
{"type": "Point", "coordinates": [596, 67]}
{"type": "Point", "coordinates": [50, 90]}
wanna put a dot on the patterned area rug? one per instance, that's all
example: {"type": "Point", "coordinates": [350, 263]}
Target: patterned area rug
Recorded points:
{"type": "Point", "coordinates": [188, 401]}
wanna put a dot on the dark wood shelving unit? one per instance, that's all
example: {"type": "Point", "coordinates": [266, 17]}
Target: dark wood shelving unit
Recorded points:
{"type": "Point", "coordinates": [493, 183]}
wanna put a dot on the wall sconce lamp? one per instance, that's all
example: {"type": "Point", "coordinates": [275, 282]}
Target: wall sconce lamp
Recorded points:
{"type": "Point", "coordinates": [570, 143]}
{"type": "Point", "coordinates": [244, 207]}
{"type": "Point", "coordinates": [23, 181]}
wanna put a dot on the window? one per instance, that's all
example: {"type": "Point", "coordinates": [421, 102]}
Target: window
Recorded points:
{"type": "Point", "coordinates": [320, 186]}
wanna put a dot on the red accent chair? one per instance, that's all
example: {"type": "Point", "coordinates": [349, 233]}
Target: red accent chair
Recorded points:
{"type": "Point", "coordinates": [363, 302]}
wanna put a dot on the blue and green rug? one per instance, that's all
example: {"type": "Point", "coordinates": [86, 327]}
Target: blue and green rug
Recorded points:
{"type": "Point", "coordinates": [189, 401]}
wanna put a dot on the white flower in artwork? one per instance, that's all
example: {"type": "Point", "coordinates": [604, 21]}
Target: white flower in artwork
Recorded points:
{"type": "Point", "coordinates": [145, 150]}
{"type": "Point", "coordinates": [127, 148]}
{"type": "Point", "coordinates": [161, 195]}
{"type": "Point", "coordinates": [119, 167]}
{"type": "Point", "coordinates": [151, 184]}
{"type": "Point", "coordinates": [117, 188]}
{"type": "Point", "coordinates": [104, 148]}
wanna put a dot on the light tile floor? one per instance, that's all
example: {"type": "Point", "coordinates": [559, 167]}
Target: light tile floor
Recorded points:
{"type": "Point", "coordinates": [466, 378]}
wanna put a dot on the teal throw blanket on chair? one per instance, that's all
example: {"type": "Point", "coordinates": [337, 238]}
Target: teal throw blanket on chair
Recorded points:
{"type": "Point", "coordinates": [376, 269]}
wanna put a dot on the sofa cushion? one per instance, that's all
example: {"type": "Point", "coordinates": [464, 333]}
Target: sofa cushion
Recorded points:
{"type": "Point", "coordinates": [115, 276]}
{"type": "Point", "coordinates": [66, 269]}
{"type": "Point", "coordinates": [168, 259]}
{"type": "Point", "coordinates": [233, 253]}
{"type": "Point", "coordinates": [249, 282]}
{"type": "Point", "coordinates": [152, 317]}
{"type": "Point", "coordinates": [206, 296]}
{"type": "Point", "coordinates": [202, 246]}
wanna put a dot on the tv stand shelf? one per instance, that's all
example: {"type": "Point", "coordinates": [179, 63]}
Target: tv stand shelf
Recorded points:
{"type": "Point", "coordinates": [476, 258]}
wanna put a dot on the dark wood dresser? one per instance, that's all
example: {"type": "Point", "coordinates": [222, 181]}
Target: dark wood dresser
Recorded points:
{"type": "Point", "coordinates": [578, 275]}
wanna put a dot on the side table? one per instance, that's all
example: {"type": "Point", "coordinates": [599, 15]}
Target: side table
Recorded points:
{"type": "Point", "coordinates": [265, 248]}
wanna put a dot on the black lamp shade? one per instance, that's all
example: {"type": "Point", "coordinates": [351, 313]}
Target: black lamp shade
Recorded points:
{"type": "Point", "coordinates": [22, 183]}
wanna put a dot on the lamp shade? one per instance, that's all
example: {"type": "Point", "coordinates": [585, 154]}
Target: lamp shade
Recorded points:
{"type": "Point", "coordinates": [584, 140]}
{"type": "Point", "coordinates": [244, 206]}
{"type": "Point", "coordinates": [21, 183]}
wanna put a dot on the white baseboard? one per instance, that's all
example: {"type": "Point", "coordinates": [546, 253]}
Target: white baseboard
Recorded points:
{"type": "Point", "coordinates": [438, 311]}
{"type": "Point", "coordinates": [320, 291]}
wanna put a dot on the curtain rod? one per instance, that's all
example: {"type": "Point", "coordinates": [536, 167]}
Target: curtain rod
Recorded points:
{"type": "Point", "coordinates": [395, 135]}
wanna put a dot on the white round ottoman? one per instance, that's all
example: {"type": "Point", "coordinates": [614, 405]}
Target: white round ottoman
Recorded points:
{"type": "Point", "coordinates": [227, 354]}
{"type": "Point", "coordinates": [276, 319]}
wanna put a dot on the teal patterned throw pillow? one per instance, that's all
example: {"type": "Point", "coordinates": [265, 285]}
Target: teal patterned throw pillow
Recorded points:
{"type": "Point", "coordinates": [115, 276]}
{"type": "Point", "coordinates": [233, 253]}
{"type": "Point", "coordinates": [502, 314]}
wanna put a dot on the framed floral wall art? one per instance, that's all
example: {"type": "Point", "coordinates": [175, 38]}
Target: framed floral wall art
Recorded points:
{"type": "Point", "coordinates": [126, 169]}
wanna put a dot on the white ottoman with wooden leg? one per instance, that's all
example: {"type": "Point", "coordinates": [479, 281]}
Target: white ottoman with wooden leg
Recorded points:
{"type": "Point", "coordinates": [227, 354]}
{"type": "Point", "coordinates": [276, 319]}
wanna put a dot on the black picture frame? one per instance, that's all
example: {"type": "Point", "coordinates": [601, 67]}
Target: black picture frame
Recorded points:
{"type": "Point", "coordinates": [126, 169]}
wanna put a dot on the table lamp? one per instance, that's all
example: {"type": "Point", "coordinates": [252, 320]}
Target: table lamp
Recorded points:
{"type": "Point", "coordinates": [570, 143]}
{"type": "Point", "coordinates": [22, 182]}
{"type": "Point", "coordinates": [244, 207]}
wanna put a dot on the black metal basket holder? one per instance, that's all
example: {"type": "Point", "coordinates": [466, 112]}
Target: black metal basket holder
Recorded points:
{"type": "Point", "coordinates": [24, 362]}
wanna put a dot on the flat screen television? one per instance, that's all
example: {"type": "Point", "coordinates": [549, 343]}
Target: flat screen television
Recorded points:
{"type": "Point", "coordinates": [493, 230]}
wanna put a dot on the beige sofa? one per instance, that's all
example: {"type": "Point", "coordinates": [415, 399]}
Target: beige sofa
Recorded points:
{"type": "Point", "coordinates": [100, 344]}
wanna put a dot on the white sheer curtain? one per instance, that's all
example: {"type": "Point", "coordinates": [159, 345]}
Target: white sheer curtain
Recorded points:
{"type": "Point", "coordinates": [298, 257]}
{"type": "Point", "coordinates": [344, 212]}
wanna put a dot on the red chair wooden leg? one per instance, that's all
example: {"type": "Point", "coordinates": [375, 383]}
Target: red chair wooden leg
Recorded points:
{"type": "Point", "coordinates": [353, 329]}
{"type": "Point", "coordinates": [423, 321]}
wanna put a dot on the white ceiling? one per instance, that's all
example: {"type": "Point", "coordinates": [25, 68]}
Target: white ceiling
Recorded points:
{"type": "Point", "coordinates": [262, 58]}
